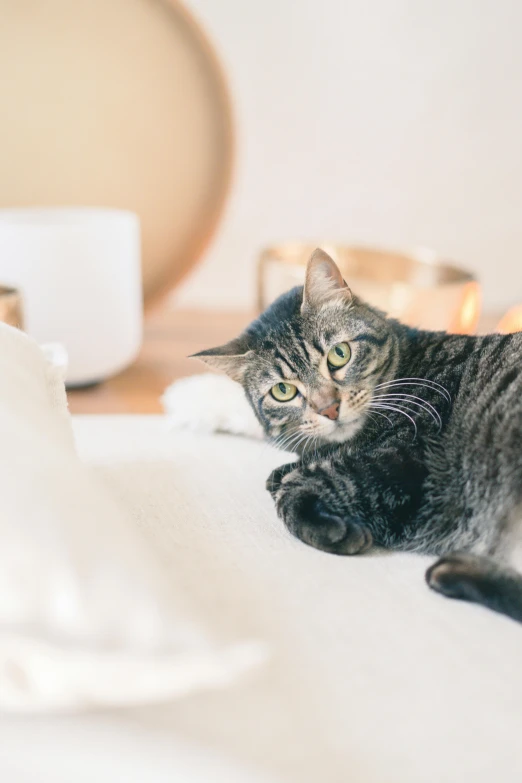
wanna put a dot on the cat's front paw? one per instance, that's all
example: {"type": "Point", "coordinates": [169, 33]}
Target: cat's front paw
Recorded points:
{"type": "Point", "coordinates": [308, 519]}
{"type": "Point", "coordinates": [299, 500]}
{"type": "Point", "coordinates": [275, 480]}
{"type": "Point", "coordinates": [209, 403]}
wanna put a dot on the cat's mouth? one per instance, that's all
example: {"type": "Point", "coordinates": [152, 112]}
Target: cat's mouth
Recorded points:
{"type": "Point", "coordinates": [343, 428]}
{"type": "Point", "coordinates": [319, 429]}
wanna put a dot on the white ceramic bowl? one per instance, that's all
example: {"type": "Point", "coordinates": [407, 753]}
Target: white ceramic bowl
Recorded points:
{"type": "Point", "coordinates": [79, 273]}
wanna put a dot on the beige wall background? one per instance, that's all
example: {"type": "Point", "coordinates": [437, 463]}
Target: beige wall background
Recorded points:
{"type": "Point", "coordinates": [386, 122]}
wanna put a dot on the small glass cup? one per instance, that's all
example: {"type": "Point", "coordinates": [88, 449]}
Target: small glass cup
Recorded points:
{"type": "Point", "coordinates": [11, 311]}
{"type": "Point", "coordinates": [417, 287]}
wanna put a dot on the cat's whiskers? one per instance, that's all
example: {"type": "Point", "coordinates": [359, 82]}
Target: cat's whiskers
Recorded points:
{"type": "Point", "coordinates": [412, 399]}
{"type": "Point", "coordinates": [307, 441]}
{"type": "Point", "coordinates": [309, 436]}
{"type": "Point", "coordinates": [304, 433]}
{"type": "Point", "coordinates": [389, 407]}
{"type": "Point", "coordinates": [316, 442]}
{"type": "Point", "coordinates": [302, 439]}
{"type": "Point", "coordinates": [313, 445]}
{"type": "Point", "coordinates": [426, 382]}
{"type": "Point", "coordinates": [301, 430]}
{"type": "Point", "coordinates": [384, 416]}
{"type": "Point", "coordinates": [284, 438]}
{"type": "Point", "coordinates": [285, 442]}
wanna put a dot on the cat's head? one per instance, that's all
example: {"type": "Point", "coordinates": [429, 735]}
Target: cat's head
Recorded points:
{"type": "Point", "coordinates": [310, 363]}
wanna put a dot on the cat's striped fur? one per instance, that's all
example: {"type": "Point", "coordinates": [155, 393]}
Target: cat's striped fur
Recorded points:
{"type": "Point", "coordinates": [426, 452]}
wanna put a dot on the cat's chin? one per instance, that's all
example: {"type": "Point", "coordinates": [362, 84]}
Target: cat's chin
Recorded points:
{"type": "Point", "coordinates": [342, 431]}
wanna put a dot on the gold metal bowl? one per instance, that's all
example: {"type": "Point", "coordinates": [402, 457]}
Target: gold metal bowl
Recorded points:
{"type": "Point", "coordinates": [419, 288]}
{"type": "Point", "coordinates": [11, 307]}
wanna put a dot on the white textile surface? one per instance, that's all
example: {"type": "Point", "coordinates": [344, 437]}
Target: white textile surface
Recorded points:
{"type": "Point", "coordinates": [88, 616]}
{"type": "Point", "coordinates": [373, 677]}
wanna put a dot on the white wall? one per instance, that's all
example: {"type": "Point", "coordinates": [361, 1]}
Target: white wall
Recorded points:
{"type": "Point", "coordinates": [390, 122]}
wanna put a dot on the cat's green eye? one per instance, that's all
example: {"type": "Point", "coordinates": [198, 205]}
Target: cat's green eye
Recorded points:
{"type": "Point", "coordinates": [283, 392]}
{"type": "Point", "coordinates": [339, 355]}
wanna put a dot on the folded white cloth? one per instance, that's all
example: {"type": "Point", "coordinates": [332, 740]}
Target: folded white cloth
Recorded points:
{"type": "Point", "coordinates": [86, 615]}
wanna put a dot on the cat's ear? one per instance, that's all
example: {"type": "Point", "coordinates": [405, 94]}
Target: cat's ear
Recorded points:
{"type": "Point", "coordinates": [230, 358]}
{"type": "Point", "coordinates": [324, 282]}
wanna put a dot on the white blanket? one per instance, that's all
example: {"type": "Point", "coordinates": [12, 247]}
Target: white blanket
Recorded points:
{"type": "Point", "coordinates": [88, 616]}
{"type": "Point", "coordinates": [374, 678]}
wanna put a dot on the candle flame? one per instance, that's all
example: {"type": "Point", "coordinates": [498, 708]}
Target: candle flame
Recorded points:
{"type": "Point", "coordinates": [467, 319]}
{"type": "Point", "coordinates": [511, 321]}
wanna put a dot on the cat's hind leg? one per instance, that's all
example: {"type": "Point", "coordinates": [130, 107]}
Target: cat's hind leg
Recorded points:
{"type": "Point", "coordinates": [478, 579]}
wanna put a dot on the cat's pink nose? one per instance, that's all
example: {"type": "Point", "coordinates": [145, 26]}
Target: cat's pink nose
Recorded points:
{"type": "Point", "coordinates": [331, 412]}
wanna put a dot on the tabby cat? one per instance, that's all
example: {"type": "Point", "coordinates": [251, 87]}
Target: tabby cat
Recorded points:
{"type": "Point", "coordinates": [407, 439]}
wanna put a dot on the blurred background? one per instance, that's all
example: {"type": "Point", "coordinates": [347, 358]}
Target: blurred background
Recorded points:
{"type": "Point", "coordinates": [229, 126]}
{"type": "Point", "coordinates": [149, 151]}
{"type": "Point", "coordinates": [384, 123]}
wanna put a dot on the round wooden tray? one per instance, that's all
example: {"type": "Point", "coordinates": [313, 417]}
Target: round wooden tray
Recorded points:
{"type": "Point", "coordinates": [117, 104]}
